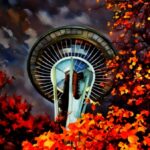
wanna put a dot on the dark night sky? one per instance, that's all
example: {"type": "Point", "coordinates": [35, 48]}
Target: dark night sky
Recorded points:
{"type": "Point", "coordinates": [23, 21]}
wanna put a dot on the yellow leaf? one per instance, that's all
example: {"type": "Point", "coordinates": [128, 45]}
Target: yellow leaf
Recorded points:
{"type": "Point", "coordinates": [123, 146]}
{"type": "Point", "coordinates": [48, 143]}
{"type": "Point", "coordinates": [139, 68]}
{"type": "Point", "coordinates": [91, 122]}
{"type": "Point", "coordinates": [119, 75]}
{"type": "Point", "coordinates": [133, 147]}
{"type": "Point", "coordinates": [120, 144]}
{"type": "Point", "coordinates": [132, 139]}
{"type": "Point", "coordinates": [116, 17]}
{"type": "Point", "coordinates": [142, 129]}
{"type": "Point", "coordinates": [133, 63]}
{"type": "Point", "coordinates": [41, 137]}
{"type": "Point", "coordinates": [131, 67]}
{"type": "Point", "coordinates": [147, 76]}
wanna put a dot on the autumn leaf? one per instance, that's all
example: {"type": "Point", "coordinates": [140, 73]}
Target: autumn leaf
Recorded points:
{"type": "Point", "coordinates": [128, 15]}
{"type": "Point", "coordinates": [139, 101]}
{"type": "Point", "coordinates": [133, 139]}
{"type": "Point", "coordinates": [11, 102]}
{"type": "Point", "coordinates": [123, 146]}
{"type": "Point", "coordinates": [123, 89]}
{"type": "Point", "coordinates": [147, 140]}
{"type": "Point", "coordinates": [111, 147]}
{"type": "Point", "coordinates": [27, 145]}
{"type": "Point", "coordinates": [113, 92]}
{"type": "Point", "coordinates": [147, 86]}
{"type": "Point", "coordinates": [48, 143]}
{"type": "Point", "coordinates": [138, 90]}
{"type": "Point", "coordinates": [120, 75]}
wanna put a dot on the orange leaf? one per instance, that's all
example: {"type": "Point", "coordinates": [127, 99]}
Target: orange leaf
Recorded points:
{"type": "Point", "coordinates": [123, 89]}
{"type": "Point", "coordinates": [133, 139]}
{"type": "Point", "coordinates": [138, 90]}
{"type": "Point", "coordinates": [119, 75]}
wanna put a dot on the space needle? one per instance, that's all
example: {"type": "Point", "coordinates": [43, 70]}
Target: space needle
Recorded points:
{"type": "Point", "coordinates": [68, 65]}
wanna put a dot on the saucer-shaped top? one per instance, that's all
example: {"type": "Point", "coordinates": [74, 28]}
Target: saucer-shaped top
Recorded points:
{"type": "Point", "coordinates": [89, 51]}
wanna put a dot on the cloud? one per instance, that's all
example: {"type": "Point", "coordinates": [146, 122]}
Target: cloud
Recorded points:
{"type": "Point", "coordinates": [8, 31]}
{"type": "Point", "coordinates": [32, 37]}
{"type": "Point", "coordinates": [44, 18]}
{"type": "Point", "coordinates": [61, 19]}
{"type": "Point", "coordinates": [64, 10]}
{"type": "Point", "coordinates": [4, 40]}
{"type": "Point", "coordinates": [83, 19]}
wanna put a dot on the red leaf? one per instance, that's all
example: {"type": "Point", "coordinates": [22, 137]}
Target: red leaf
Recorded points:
{"type": "Point", "coordinates": [93, 107]}
{"type": "Point", "coordinates": [11, 102]}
